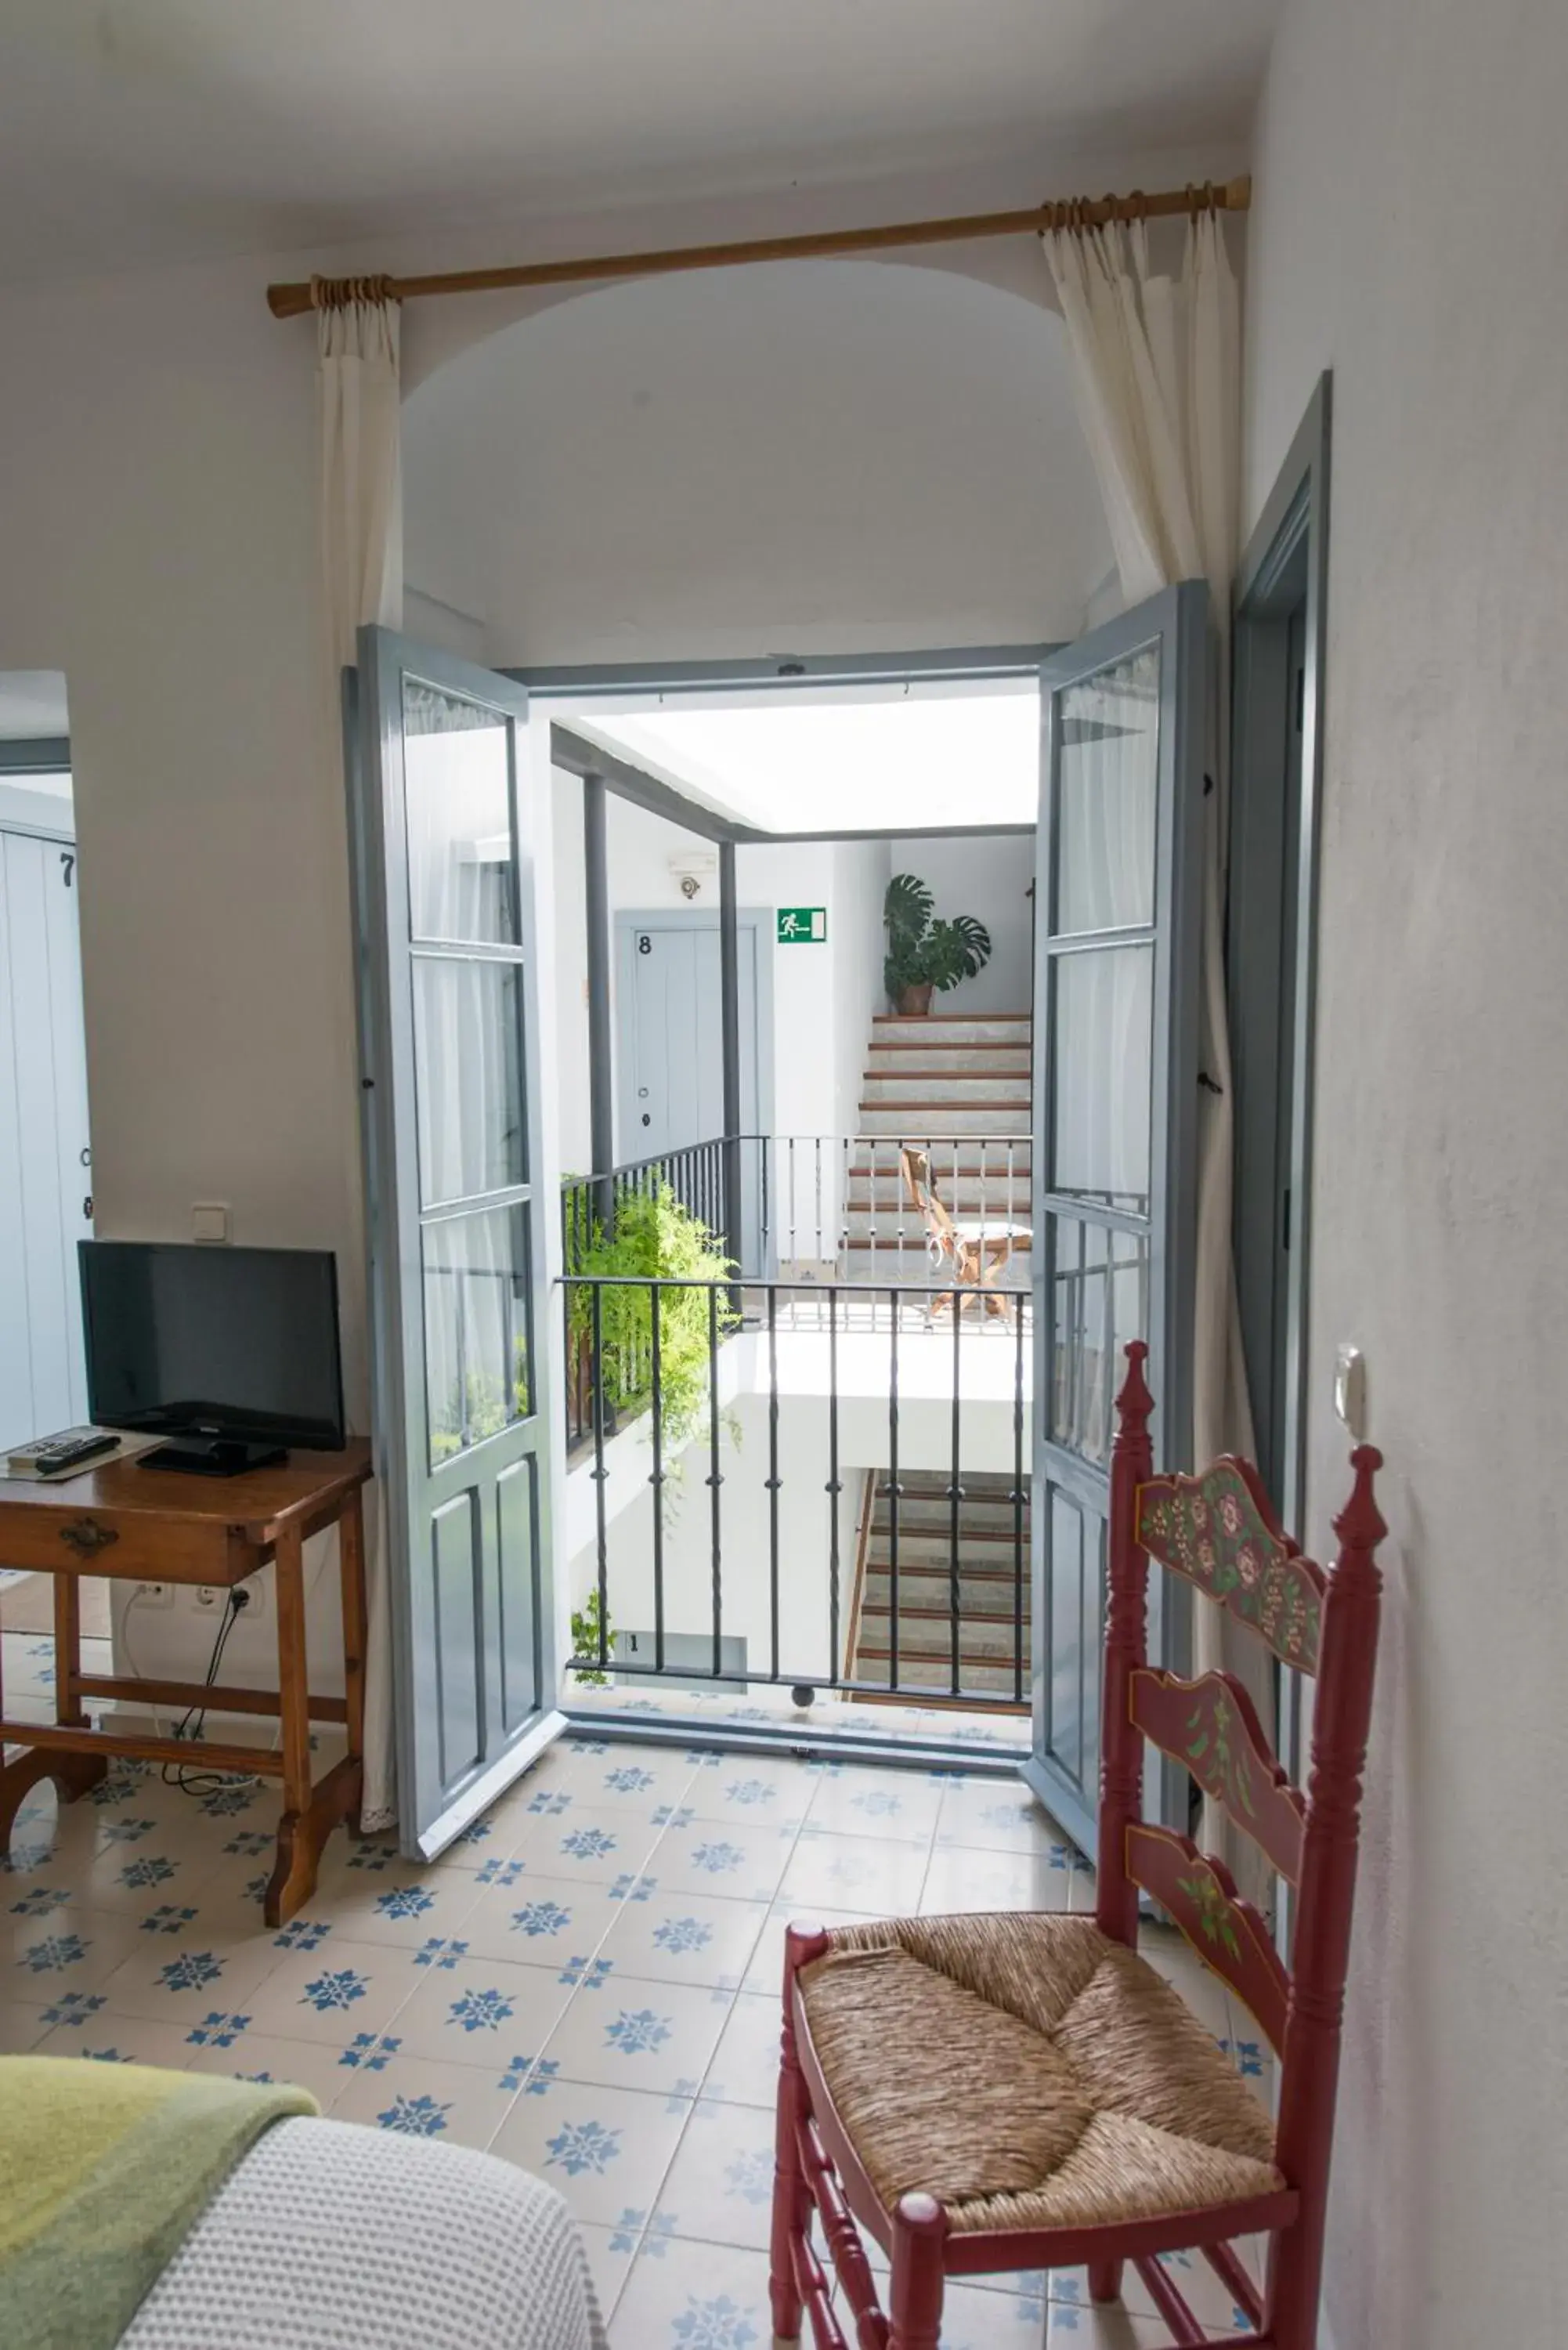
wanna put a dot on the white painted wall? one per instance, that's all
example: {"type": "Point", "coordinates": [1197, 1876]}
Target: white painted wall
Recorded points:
{"type": "Point", "coordinates": [988, 878]}
{"type": "Point", "coordinates": [1409, 215]}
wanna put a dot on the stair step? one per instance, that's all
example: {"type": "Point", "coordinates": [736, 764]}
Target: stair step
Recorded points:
{"type": "Point", "coordinates": [954, 1028]}
{"type": "Point", "coordinates": [930, 1545]}
{"type": "Point", "coordinates": [926, 1632]}
{"type": "Point", "coordinates": [981, 1677]}
{"type": "Point", "coordinates": [987, 1516]}
{"type": "Point", "coordinates": [933, 1087]}
{"type": "Point", "coordinates": [985, 1602]}
{"type": "Point", "coordinates": [949, 1060]}
{"type": "Point", "coordinates": [903, 1121]}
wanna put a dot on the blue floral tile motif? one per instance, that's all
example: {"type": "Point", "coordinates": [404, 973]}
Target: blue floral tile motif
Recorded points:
{"type": "Point", "coordinates": [590, 1746]}
{"type": "Point", "coordinates": [499, 1872]}
{"type": "Point", "coordinates": [751, 2176]}
{"type": "Point", "coordinates": [404, 1901]}
{"type": "Point", "coordinates": [720, 2324]}
{"type": "Point", "coordinates": [590, 1844]}
{"type": "Point", "coordinates": [40, 1901]}
{"type": "Point", "coordinates": [24, 1859]}
{"type": "Point", "coordinates": [577, 2146]}
{"type": "Point", "coordinates": [140, 1875]}
{"type": "Point", "coordinates": [550, 1800]}
{"type": "Point", "coordinates": [369, 2052]}
{"type": "Point", "coordinates": [104, 2056]}
{"type": "Point", "coordinates": [217, 2030]}
{"type": "Point", "coordinates": [589, 1974]}
{"type": "Point", "coordinates": [629, 1779]}
{"type": "Point", "coordinates": [877, 1804]}
{"type": "Point", "coordinates": [303, 1934]}
{"type": "Point", "coordinates": [637, 2033]}
{"type": "Point", "coordinates": [717, 1859]}
{"type": "Point", "coordinates": [1249, 2058]}
{"type": "Point", "coordinates": [166, 1919]}
{"type": "Point", "coordinates": [627, 2228]}
{"type": "Point", "coordinates": [374, 1856]}
{"type": "Point", "coordinates": [191, 1970]}
{"type": "Point", "coordinates": [669, 1816]}
{"type": "Point", "coordinates": [121, 1787]}
{"type": "Point", "coordinates": [476, 1831]}
{"type": "Point", "coordinates": [334, 1991]}
{"type": "Point", "coordinates": [1069, 2301]}
{"type": "Point", "coordinates": [124, 1831]}
{"type": "Point", "coordinates": [439, 1952]}
{"type": "Point", "coordinates": [224, 1803]}
{"type": "Point", "coordinates": [661, 2235]}
{"type": "Point", "coordinates": [541, 1918]}
{"type": "Point", "coordinates": [632, 1887]}
{"type": "Point", "coordinates": [482, 2010]}
{"type": "Point", "coordinates": [73, 2006]}
{"type": "Point", "coordinates": [680, 1934]}
{"type": "Point", "coordinates": [415, 2116]}
{"type": "Point", "coordinates": [516, 2074]}
{"type": "Point", "coordinates": [250, 1841]}
{"type": "Point", "coordinates": [682, 2094]}
{"type": "Point", "coordinates": [260, 2078]}
{"type": "Point", "coordinates": [750, 1792]}
{"type": "Point", "coordinates": [254, 1889]}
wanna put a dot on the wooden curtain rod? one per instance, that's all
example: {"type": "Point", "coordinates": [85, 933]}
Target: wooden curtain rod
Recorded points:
{"type": "Point", "coordinates": [1228, 196]}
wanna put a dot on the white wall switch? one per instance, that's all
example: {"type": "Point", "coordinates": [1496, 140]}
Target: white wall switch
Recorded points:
{"type": "Point", "coordinates": [209, 1222]}
{"type": "Point", "coordinates": [1350, 1391]}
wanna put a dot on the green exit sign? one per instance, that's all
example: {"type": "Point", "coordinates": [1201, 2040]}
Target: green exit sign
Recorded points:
{"type": "Point", "coordinates": [802, 926]}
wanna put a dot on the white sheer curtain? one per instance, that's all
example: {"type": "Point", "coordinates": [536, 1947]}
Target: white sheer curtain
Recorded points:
{"type": "Point", "coordinates": [362, 578]}
{"type": "Point", "coordinates": [1157, 371]}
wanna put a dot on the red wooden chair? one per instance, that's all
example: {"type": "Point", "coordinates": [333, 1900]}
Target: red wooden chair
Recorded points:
{"type": "Point", "coordinates": [989, 2093]}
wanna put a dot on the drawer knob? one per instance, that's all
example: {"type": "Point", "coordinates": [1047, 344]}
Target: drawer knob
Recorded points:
{"type": "Point", "coordinates": [87, 1537]}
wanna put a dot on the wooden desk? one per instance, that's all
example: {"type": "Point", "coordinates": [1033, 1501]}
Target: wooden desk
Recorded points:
{"type": "Point", "coordinates": [156, 1525]}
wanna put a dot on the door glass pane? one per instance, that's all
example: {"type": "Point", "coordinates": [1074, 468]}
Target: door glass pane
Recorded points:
{"type": "Point", "coordinates": [1102, 1040]}
{"type": "Point", "coordinates": [469, 1077]}
{"type": "Point", "coordinates": [1067, 1632]}
{"type": "Point", "coordinates": [457, 765]}
{"type": "Point", "coordinates": [478, 1357]}
{"type": "Point", "coordinates": [1106, 772]}
{"type": "Point", "coordinates": [1099, 1301]}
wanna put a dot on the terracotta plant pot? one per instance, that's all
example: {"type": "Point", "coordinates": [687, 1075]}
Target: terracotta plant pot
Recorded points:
{"type": "Point", "coordinates": [915, 1003]}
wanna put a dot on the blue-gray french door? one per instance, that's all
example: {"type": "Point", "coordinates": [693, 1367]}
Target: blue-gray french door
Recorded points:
{"type": "Point", "coordinates": [445, 886]}
{"type": "Point", "coordinates": [1117, 916]}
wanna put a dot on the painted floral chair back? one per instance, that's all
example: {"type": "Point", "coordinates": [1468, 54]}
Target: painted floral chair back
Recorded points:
{"type": "Point", "coordinates": [1218, 1531]}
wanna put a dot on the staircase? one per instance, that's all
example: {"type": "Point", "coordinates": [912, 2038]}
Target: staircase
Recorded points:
{"type": "Point", "coordinates": [957, 1087]}
{"type": "Point", "coordinates": [993, 1573]}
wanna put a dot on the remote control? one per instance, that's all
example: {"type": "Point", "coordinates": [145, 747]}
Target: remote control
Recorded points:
{"type": "Point", "coordinates": [71, 1452]}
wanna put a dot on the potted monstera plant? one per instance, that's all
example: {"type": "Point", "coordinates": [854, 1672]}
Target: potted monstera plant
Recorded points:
{"type": "Point", "coordinates": [925, 955]}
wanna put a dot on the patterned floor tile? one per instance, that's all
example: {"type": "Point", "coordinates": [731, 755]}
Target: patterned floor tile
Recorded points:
{"type": "Point", "coordinates": [752, 1790]}
{"type": "Point", "coordinates": [459, 2103]}
{"type": "Point", "coordinates": [179, 1982]}
{"type": "Point", "coordinates": [610, 2252]}
{"type": "Point", "coordinates": [856, 1872]}
{"type": "Point", "coordinates": [538, 1921]}
{"type": "Point", "coordinates": [689, 1937]}
{"type": "Point", "coordinates": [745, 2066]}
{"type": "Point", "coordinates": [636, 2034]}
{"type": "Point", "coordinates": [481, 2010]}
{"type": "Point", "coordinates": [330, 1992]}
{"type": "Point", "coordinates": [742, 1863]}
{"type": "Point", "coordinates": [995, 1815]}
{"type": "Point", "coordinates": [403, 1907]}
{"type": "Point", "coordinates": [605, 2148]}
{"type": "Point", "coordinates": [682, 2296]}
{"type": "Point", "coordinates": [961, 1879]}
{"type": "Point", "coordinates": [232, 2045]}
{"type": "Point", "coordinates": [766, 1973]}
{"type": "Point", "coordinates": [721, 2184]}
{"type": "Point", "coordinates": [67, 1949]}
{"type": "Point", "coordinates": [594, 1843]}
{"type": "Point", "coordinates": [607, 1773]}
{"type": "Point", "coordinates": [23, 2023]}
{"type": "Point", "coordinates": [855, 1800]}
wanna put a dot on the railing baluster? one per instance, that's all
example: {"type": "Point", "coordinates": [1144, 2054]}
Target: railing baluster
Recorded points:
{"type": "Point", "coordinates": [600, 1473]}
{"type": "Point", "coordinates": [817, 1140]}
{"type": "Point", "coordinates": [774, 1475]}
{"type": "Point", "coordinates": [657, 1479]}
{"type": "Point", "coordinates": [893, 1492]}
{"type": "Point", "coordinates": [715, 1476]}
{"type": "Point", "coordinates": [955, 1586]}
{"type": "Point", "coordinates": [835, 1486]}
{"type": "Point", "coordinates": [1018, 1562]}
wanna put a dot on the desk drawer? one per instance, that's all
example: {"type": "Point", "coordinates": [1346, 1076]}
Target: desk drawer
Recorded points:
{"type": "Point", "coordinates": [106, 1542]}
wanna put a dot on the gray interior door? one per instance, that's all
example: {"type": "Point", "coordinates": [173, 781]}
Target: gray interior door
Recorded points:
{"type": "Point", "coordinates": [445, 881]}
{"type": "Point", "coordinates": [1115, 1105]}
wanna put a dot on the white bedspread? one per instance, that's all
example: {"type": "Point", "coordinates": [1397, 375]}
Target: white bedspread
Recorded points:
{"type": "Point", "coordinates": [328, 2236]}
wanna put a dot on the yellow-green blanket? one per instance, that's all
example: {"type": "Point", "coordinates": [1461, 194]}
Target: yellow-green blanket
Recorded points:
{"type": "Point", "coordinates": [103, 2169]}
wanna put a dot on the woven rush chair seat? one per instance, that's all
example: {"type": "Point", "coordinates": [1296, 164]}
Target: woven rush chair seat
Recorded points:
{"type": "Point", "coordinates": [1028, 2071]}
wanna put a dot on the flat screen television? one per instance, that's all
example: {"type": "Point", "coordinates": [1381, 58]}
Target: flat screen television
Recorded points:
{"type": "Point", "coordinates": [232, 1353]}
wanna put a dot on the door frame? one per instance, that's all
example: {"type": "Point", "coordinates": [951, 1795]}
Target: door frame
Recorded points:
{"type": "Point", "coordinates": [755, 918]}
{"type": "Point", "coordinates": [1283, 574]}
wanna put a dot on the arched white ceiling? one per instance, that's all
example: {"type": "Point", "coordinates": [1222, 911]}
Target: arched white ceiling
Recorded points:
{"type": "Point", "coordinates": [810, 457]}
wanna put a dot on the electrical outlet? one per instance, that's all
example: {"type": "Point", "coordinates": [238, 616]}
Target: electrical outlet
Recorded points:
{"type": "Point", "coordinates": [255, 1588]}
{"type": "Point", "coordinates": [156, 1594]}
{"type": "Point", "coordinates": [207, 1594]}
